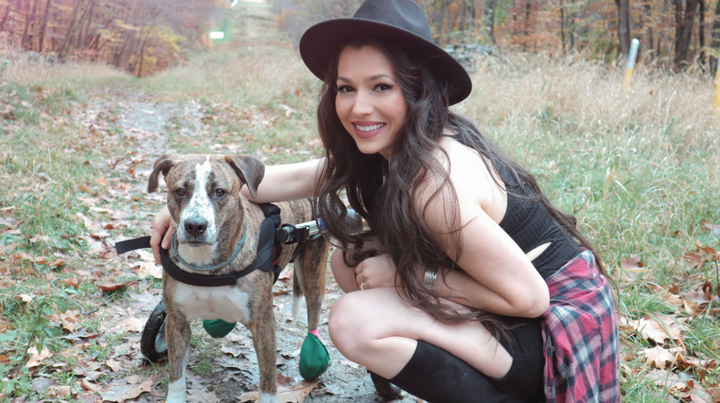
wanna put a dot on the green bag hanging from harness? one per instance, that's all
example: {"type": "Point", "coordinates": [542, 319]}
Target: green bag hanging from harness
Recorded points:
{"type": "Point", "coordinates": [314, 358]}
{"type": "Point", "coordinates": [218, 328]}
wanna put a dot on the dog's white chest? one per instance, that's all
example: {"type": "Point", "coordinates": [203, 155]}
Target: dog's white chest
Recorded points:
{"type": "Point", "coordinates": [226, 302]}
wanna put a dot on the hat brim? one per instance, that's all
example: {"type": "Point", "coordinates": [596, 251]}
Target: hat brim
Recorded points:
{"type": "Point", "coordinates": [320, 44]}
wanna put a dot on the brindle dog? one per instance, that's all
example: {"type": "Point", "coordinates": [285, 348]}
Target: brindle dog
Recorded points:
{"type": "Point", "coordinates": [210, 216]}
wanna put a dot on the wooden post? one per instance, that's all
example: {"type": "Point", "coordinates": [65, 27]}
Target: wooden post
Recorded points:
{"type": "Point", "coordinates": [630, 65]}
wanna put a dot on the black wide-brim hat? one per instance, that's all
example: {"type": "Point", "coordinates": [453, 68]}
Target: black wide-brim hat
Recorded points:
{"type": "Point", "coordinates": [399, 22]}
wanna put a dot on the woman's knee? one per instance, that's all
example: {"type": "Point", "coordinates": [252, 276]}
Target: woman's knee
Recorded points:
{"type": "Point", "coordinates": [345, 323]}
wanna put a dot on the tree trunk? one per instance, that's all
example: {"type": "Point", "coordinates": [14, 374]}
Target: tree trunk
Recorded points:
{"type": "Point", "coordinates": [526, 27]}
{"type": "Point", "coordinates": [489, 18]}
{"type": "Point", "coordinates": [715, 37]}
{"type": "Point", "coordinates": [683, 31]}
{"type": "Point", "coordinates": [651, 33]}
{"type": "Point", "coordinates": [623, 7]}
{"type": "Point", "coordinates": [701, 32]}
{"type": "Point", "coordinates": [69, 33]}
{"type": "Point", "coordinates": [463, 17]}
{"type": "Point", "coordinates": [44, 25]}
{"type": "Point", "coordinates": [571, 25]}
{"type": "Point", "coordinates": [7, 14]}
{"type": "Point", "coordinates": [562, 25]}
{"type": "Point", "coordinates": [26, 42]}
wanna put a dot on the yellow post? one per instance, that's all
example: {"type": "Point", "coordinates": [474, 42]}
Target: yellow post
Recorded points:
{"type": "Point", "coordinates": [630, 65]}
{"type": "Point", "coordinates": [716, 99]}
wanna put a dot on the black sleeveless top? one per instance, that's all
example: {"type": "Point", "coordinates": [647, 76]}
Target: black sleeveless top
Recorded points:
{"type": "Point", "coordinates": [530, 225]}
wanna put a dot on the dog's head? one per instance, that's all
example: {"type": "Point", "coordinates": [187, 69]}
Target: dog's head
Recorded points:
{"type": "Point", "coordinates": [204, 193]}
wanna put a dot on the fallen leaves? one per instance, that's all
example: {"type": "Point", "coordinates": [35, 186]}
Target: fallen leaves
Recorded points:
{"type": "Point", "coordinates": [126, 389]}
{"type": "Point", "coordinates": [36, 358]}
{"type": "Point", "coordinates": [673, 363]}
{"type": "Point", "coordinates": [657, 329]}
{"type": "Point", "coordinates": [286, 392]}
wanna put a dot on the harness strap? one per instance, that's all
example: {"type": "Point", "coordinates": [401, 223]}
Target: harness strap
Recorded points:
{"type": "Point", "coordinates": [265, 260]}
{"type": "Point", "coordinates": [132, 244]}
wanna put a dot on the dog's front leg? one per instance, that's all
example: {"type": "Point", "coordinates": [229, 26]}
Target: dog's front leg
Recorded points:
{"type": "Point", "coordinates": [178, 341]}
{"type": "Point", "coordinates": [263, 331]}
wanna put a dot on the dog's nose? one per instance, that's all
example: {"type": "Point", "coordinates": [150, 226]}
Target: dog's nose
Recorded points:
{"type": "Point", "coordinates": [195, 226]}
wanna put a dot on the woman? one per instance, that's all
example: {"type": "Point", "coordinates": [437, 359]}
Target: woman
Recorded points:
{"type": "Point", "coordinates": [469, 285]}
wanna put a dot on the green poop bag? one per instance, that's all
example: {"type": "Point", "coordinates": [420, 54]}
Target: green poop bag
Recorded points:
{"type": "Point", "coordinates": [218, 328]}
{"type": "Point", "coordinates": [314, 358]}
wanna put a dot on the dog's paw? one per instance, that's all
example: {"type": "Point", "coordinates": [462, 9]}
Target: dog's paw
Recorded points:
{"type": "Point", "coordinates": [176, 392]}
{"type": "Point", "coordinates": [268, 398]}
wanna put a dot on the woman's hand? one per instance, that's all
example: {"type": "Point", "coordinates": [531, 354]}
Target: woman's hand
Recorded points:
{"type": "Point", "coordinates": [375, 272]}
{"type": "Point", "coordinates": [163, 228]}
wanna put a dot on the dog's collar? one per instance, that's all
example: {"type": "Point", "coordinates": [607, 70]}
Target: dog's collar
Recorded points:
{"type": "Point", "coordinates": [238, 247]}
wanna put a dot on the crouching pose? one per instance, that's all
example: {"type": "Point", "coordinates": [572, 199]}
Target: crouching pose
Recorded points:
{"type": "Point", "coordinates": [468, 284]}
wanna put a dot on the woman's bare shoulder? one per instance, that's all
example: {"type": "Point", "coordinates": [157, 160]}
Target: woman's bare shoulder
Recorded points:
{"type": "Point", "coordinates": [472, 177]}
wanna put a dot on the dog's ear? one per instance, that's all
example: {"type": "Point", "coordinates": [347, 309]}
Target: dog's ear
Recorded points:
{"type": "Point", "coordinates": [162, 164]}
{"type": "Point", "coordinates": [250, 170]}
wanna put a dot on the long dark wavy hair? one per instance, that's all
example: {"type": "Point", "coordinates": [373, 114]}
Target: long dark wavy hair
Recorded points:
{"type": "Point", "coordinates": [384, 192]}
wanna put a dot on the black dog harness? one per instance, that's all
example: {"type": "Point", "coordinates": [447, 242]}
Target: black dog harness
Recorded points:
{"type": "Point", "coordinates": [269, 248]}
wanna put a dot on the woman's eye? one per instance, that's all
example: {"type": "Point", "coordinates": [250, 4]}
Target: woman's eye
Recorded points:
{"type": "Point", "coordinates": [180, 192]}
{"type": "Point", "coordinates": [383, 87]}
{"type": "Point", "coordinates": [345, 89]}
{"type": "Point", "coordinates": [220, 193]}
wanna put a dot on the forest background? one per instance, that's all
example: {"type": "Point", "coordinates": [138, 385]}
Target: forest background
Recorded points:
{"type": "Point", "coordinates": [144, 37]}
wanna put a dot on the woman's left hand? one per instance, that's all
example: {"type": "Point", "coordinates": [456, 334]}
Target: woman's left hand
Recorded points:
{"type": "Point", "coordinates": [375, 272]}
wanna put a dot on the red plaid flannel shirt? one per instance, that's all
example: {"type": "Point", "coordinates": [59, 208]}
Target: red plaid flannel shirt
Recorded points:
{"type": "Point", "coordinates": [581, 336]}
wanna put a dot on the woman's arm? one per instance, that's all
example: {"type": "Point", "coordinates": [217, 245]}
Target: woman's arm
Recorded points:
{"type": "Point", "coordinates": [498, 276]}
{"type": "Point", "coordinates": [287, 182]}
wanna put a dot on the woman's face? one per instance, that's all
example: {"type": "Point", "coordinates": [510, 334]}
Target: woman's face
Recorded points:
{"type": "Point", "coordinates": [369, 101]}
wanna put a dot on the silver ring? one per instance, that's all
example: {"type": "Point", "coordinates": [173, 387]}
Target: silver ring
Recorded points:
{"type": "Point", "coordinates": [361, 286]}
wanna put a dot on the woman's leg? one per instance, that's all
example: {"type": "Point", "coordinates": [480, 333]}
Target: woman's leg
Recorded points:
{"type": "Point", "coordinates": [437, 376]}
{"type": "Point", "coordinates": [376, 327]}
{"type": "Point", "coordinates": [378, 330]}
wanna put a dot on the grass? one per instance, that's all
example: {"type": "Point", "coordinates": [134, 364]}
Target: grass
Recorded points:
{"type": "Point", "coordinates": [638, 170]}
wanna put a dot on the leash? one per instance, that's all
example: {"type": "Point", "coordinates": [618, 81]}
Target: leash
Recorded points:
{"type": "Point", "coordinates": [272, 234]}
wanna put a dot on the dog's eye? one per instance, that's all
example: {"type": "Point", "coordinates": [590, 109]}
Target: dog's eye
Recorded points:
{"type": "Point", "coordinates": [219, 193]}
{"type": "Point", "coordinates": [180, 192]}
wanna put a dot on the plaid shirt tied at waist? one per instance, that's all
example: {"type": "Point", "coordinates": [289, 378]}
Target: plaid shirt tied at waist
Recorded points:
{"type": "Point", "coordinates": [580, 335]}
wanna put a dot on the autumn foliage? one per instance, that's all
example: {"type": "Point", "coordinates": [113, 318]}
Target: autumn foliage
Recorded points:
{"type": "Point", "coordinates": [672, 33]}
{"type": "Point", "coordinates": [141, 37]}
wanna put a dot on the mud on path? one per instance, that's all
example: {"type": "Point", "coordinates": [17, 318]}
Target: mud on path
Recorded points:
{"type": "Point", "coordinates": [219, 370]}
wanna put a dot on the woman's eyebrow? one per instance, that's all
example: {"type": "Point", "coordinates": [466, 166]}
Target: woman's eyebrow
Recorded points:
{"type": "Point", "coordinates": [369, 79]}
{"type": "Point", "coordinates": [375, 77]}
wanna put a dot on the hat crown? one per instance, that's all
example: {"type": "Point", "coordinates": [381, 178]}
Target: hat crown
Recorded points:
{"type": "Point", "coordinates": [403, 14]}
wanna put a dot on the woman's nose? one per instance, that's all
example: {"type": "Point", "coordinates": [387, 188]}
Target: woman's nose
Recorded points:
{"type": "Point", "coordinates": [362, 105]}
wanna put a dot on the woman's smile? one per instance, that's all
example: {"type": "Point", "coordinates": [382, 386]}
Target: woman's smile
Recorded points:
{"type": "Point", "coordinates": [367, 130]}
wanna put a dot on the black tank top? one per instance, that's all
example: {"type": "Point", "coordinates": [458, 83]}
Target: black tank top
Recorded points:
{"type": "Point", "coordinates": [530, 225]}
